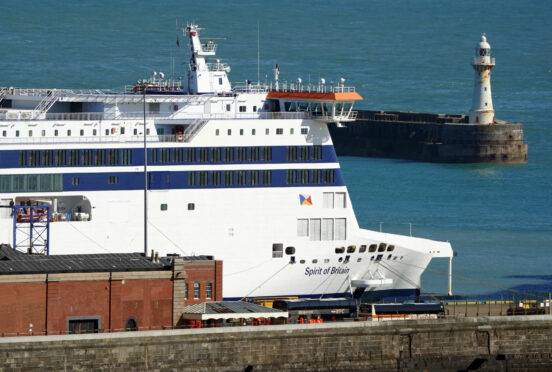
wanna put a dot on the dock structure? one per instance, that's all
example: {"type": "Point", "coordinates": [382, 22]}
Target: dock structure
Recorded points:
{"type": "Point", "coordinates": [439, 138]}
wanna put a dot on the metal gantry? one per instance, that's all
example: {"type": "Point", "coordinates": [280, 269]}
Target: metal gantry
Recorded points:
{"type": "Point", "coordinates": [31, 229]}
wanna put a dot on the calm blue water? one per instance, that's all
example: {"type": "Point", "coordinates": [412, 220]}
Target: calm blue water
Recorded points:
{"type": "Point", "coordinates": [401, 55]}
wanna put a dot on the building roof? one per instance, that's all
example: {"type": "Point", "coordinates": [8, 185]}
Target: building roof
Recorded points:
{"type": "Point", "coordinates": [230, 310]}
{"type": "Point", "coordinates": [15, 262]}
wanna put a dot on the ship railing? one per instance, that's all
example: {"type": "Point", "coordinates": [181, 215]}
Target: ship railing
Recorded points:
{"type": "Point", "coordinates": [250, 88]}
{"type": "Point", "coordinates": [91, 139]}
{"type": "Point", "coordinates": [216, 66]}
{"type": "Point", "coordinates": [59, 92]}
{"type": "Point", "coordinates": [312, 88]}
{"type": "Point", "coordinates": [209, 47]}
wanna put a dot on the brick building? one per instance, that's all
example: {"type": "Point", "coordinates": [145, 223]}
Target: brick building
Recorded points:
{"type": "Point", "coordinates": [97, 292]}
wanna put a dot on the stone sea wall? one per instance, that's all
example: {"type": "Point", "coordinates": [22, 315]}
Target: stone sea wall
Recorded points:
{"type": "Point", "coordinates": [486, 343]}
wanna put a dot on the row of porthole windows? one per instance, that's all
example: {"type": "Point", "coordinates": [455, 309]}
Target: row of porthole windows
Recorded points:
{"type": "Point", "coordinates": [381, 247]}
{"type": "Point", "coordinates": [279, 131]}
{"type": "Point", "coordinates": [359, 259]}
{"type": "Point", "coordinates": [278, 251]}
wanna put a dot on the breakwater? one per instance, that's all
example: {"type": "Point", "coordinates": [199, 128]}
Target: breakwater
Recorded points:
{"type": "Point", "coordinates": [486, 343]}
{"type": "Point", "coordinates": [442, 138]}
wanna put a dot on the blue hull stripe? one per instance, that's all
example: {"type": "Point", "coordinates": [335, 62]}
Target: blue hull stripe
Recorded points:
{"type": "Point", "coordinates": [388, 294]}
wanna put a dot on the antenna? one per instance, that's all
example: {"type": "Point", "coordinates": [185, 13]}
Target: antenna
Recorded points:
{"type": "Point", "coordinates": [258, 54]}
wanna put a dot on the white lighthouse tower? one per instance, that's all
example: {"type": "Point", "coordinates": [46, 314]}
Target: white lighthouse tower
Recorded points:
{"type": "Point", "coordinates": [482, 111]}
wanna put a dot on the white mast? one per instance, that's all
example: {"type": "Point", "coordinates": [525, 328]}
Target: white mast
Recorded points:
{"type": "Point", "coordinates": [482, 111]}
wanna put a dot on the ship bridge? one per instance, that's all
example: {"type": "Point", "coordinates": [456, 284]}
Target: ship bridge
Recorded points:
{"type": "Point", "coordinates": [328, 104]}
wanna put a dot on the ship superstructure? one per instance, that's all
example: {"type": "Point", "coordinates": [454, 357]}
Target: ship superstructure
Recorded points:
{"type": "Point", "coordinates": [245, 173]}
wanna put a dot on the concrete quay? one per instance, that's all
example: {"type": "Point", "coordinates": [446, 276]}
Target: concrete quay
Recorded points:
{"type": "Point", "coordinates": [484, 343]}
{"type": "Point", "coordinates": [440, 138]}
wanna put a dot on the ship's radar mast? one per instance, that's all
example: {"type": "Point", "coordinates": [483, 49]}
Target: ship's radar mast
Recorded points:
{"type": "Point", "coordinates": [482, 111]}
{"type": "Point", "coordinates": [203, 76]}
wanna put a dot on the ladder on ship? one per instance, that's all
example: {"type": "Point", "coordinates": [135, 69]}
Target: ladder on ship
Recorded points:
{"type": "Point", "coordinates": [193, 129]}
{"type": "Point", "coordinates": [46, 103]}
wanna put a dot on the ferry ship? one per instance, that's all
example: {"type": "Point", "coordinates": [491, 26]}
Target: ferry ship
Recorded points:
{"type": "Point", "coordinates": [245, 172]}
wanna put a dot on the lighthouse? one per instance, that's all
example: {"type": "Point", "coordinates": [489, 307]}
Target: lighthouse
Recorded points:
{"type": "Point", "coordinates": [482, 111]}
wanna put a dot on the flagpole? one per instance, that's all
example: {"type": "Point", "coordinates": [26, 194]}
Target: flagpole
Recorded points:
{"type": "Point", "coordinates": [145, 178]}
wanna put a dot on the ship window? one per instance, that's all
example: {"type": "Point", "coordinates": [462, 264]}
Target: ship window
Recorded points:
{"type": "Point", "coordinates": [359, 259]}
{"type": "Point", "coordinates": [340, 229]}
{"type": "Point", "coordinates": [266, 177]}
{"type": "Point", "coordinates": [229, 132]}
{"type": "Point", "coordinates": [87, 157]}
{"type": "Point", "coordinates": [191, 206]}
{"type": "Point", "coordinates": [242, 108]}
{"type": "Point", "coordinates": [304, 130]}
{"type": "Point", "coordinates": [254, 154]}
{"type": "Point", "coordinates": [340, 200]}
{"type": "Point", "coordinates": [242, 153]}
{"type": "Point", "coordinates": [191, 179]}
{"type": "Point", "coordinates": [302, 261]}
{"type": "Point", "coordinates": [290, 250]}
{"type": "Point", "coordinates": [302, 227]}
{"type": "Point", "coordinates": [327, 228]}
{"type": "Point", "coordinates": [228, 154]}
{"type": "Point", "coordinates": [391, 248]}
{"type": "Point", "coordinates": [22, 158]}
{"type": "Point", "coordinates": [372, 258]}
{"type": "Point", "coordinates": [326, 260]}
{"type": "Point", "coordinates": [55, 132]}
{"type": "Point", "coordinates": [113, 156]}
{"type": "Point", "coordinates": [112, 180]}
{"type": "Point", "coordinates": [314, 261]}
{"type": "Point", "coordinates": [254, 108]}
{"type": "Point", "coordinates": [82, 132]}
{"type": "Point", "coordinates": [147, 131]}
{"type": "Point", "coordinates": [328, 200]}
{"type": "Point", "coordinates": [31, 132]}
{"type": "Point", "coordinates": [203, 154]}
{"type": "Point", "coordinates": [339, 250]}
{"type": "Point", "coordinates": [197, 288]}
{"type": "Point", "coordinates": [126, 157]}
{"type": "Point", "coordinates": [44, 132]}
{"type": "Point", "coordinates": [228, 178]}
{"type": "Point", "coordinates": [215, 177]}
{"type": "Point", "coordinates": [73, 157]}
{"type": "Point", "coordinates": [47, 158]}
{"type": "Point", "coordinates": [4, 133]}
{"type": "Point", "coordinates": [362, 249]}
{"type": "Point", "coordinates": [382, 247]}
{"type": "Point", "coordinates": [75, 181]}
{"type": "Point", "coordinates": [95, 132]}
{"type": "Point", "coordinates": [217, 132]}
{"type": "Point", "coordinates": [241, 132]}
{"type": "Point", "coordinates": [160, 131]}
{"type": "Point", "coordinates": [228, 108]}
{"type": "Point", "coordinates": [220, 81]}
{"type": "Point", "coordinates": [253, 132]}
{"type": "Point", "coordinates": [389, 256]}
{"type": "Point", "coordinates": [304, 176]}
{"type": "Point", "coordinates": [154, 108]}
{"type": "Point", "coordinates": [177, 156]}
{"type": "Point", "coordinates": [60, 158]}
{"type": "Point", "coordinates": [291, 176]}
{"type": "Point", "coordinates": [122, 130]}
{"type": "Point", "coordinates": [215, 154]}
{"type": "Point", "coordinates": [277, 250]}
{"type": "Point", "coordinates": [329, 176]}
{"type": "Point", "coordinates": [304, 153]}
{"type": "Point", "coordinates": [372, 248]}
{"type": "Point", "coordinates": [99, 157]}
{"type": "Point", "coordinates": [316, 176]}
{"type": "Point", "coordinates": [17, 133]}
{"type": "Point", "coordinates": [351, 249]}
{"type": "Point", "coordinates": [241, 177]}
{"type": "Point", "coordinates": [379, 257]}
{"type": "Point", "coordinates": [317, 152]}
{"type": "Point", "coordinates": [203, 178]}
{"type": "Point", "coordinates": [135, 131]}
{"type": "Point", "coordinates": [190, 155]}
{"type": "Point", "coordinates": [68, 132]}
{"type": "Point", "coordinates": [291, 153]}
{"type": "Point", "coordinates": [279, 131]}
{"type": "Point", "coordinates": [253, 177]}
{"type": "Point", "coordinates": [34, 158]}
{"type": "Point", "coordinates": [315, 229]}
{"type": "Point", "coordinates": [267, 131]}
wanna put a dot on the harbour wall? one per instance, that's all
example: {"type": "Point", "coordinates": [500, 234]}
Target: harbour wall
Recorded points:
{"type": "Point", "coordinates": [442, 138]}
{"type": "Point", "coordinates": [485, 343]}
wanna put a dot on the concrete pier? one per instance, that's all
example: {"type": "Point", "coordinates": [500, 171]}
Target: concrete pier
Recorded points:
{"type": "Point", "coordinates": [484, 343]}
{"type": "Point", "coordinates": [441, 138]}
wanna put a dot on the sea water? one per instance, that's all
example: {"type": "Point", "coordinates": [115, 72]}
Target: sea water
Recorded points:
{"type": "Point", "coordinates": [401, 55]}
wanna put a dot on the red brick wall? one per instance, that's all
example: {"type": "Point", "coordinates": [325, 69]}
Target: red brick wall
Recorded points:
{"type": "Point", "coordinates": [204, 273]}
{"type": "Point", "coordinates": [20, 305]}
